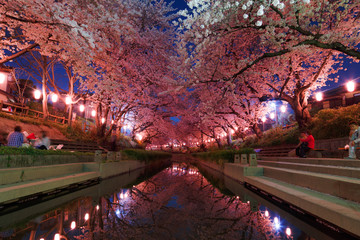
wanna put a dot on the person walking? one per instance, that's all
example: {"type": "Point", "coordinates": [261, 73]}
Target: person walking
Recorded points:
{"type": "Point", "coordinates": [15, 138]}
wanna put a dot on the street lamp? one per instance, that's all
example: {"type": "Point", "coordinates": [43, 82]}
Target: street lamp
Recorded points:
{"type": "Point", "coordinates": [350, 86]}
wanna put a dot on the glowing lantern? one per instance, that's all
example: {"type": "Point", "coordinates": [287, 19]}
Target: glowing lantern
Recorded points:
{"type": "Point", "coordinates": [97, 207]}
{"type": "Point", "coordinates": [86, 217]}
{"type": "Point", "coordinates": [319, 96]}
{"type": "Point", "coordinates": [54, 97]}
{"type": "Point", "coordinates": [350, 86]}
{"type": "Point", "coordinates": [57, 236]}
{"type": "Point", "coordinates": [283, 108]}
{"type": "Point", "coordinates": [272, 115]}
{"type": "Point", "coordinates": [82, 108]}
{"type": "Point", "coordinates": [266, 213]}
{"type": "Point", "coordinates": [68, 100]}
{"type": "Point", "coordinates": [102, 120]}
{"type": "Point", "coordinates": [263, 119]}
{"type": "Point", "coordinates": [2, 77]}
{"type": "Point", "coordinates": [37, 94]}
{"type": "Point", "coordinates": [288, 231]}
{"type": "Point", "coordinates": [93, 113]}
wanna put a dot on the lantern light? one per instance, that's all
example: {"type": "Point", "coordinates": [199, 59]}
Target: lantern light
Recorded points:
{"type": "Point", "coordinates": [288, 231]}
{"type": "Point", "coordinates": [82, 108]}
{"type": "Point", "coordinates": [73, 225]}
{"type": "Point", "coordinates": [102, 120]}
{"type": "Point", "coordinates": [86, 217]}
{"type": "Point", "coordinates": [263, 119]}
{"type": "Point", "coordinates": [272, 115]}
{"type": "Point", "coordinates": [68, 100]}
{"type": "Point", "coordinates": [54, 97]}
{"type": "Point", "coordinates": [2, 77]}
{"type": "Point", "coordinates": [93, 113]}
{"type": "Point", "coordinates": [319, 96]}
{"type": "Point", "coordinates": [350, 86]}
{"type": "Point", "coordinates": [57, 236]}
{"type": "Point", "coordinates": [283, 108]}
{"type": "Point", "coordinates": [37, 94]}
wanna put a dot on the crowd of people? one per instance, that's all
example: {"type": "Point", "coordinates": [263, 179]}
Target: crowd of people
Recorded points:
{"type": "Point", "coordinates": [17, 138]}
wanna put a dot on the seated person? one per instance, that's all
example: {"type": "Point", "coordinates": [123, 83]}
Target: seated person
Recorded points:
{"type": "Point", "coordinates": [15, 138]}
{"type": "Point", "coordinates": [307, 142]}
{"type": "Point", "coordinates": [43, 142]}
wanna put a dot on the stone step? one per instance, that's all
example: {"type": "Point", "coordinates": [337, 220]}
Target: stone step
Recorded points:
{"type": "Point", "coordinates": [333, 170]}
{"type": "Point", "coordinates": [23, 174]}
{"type": "Point", "coordinates": [15, 191]}
{"type": "Point", "coordinates": [340, 212]}
{"type": "Point", "coordinates": [343, 187]}
{"type": "Point", "coordinates": [316, 161]}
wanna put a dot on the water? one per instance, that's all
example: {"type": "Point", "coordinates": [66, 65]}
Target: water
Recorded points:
{"type": "Point", "coordinates": [176, 203]}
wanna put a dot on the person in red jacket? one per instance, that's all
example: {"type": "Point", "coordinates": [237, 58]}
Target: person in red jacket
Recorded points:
{"type": "Point", "coordinates": [307, 142]}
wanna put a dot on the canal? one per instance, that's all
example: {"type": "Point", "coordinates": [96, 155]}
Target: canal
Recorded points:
{"type": "Point", "coordinates": [179, 201]}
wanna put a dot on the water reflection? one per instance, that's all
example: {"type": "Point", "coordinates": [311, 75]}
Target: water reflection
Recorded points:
{"type": "Point", "coordinates": [177, 203]}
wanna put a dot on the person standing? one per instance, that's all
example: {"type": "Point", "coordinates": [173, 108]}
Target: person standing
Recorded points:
{"type": "Point", "coordinates": [307, 143]}
{"type": "Point", "coordinates": [354, 138]}
{"type": "Point", "coordinates": [15, 138]}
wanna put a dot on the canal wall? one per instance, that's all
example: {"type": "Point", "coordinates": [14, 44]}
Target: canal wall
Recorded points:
{"type": "Point", "coordinates": [24, 180]}
{"type": "Point", "coordinates": [325, 198]}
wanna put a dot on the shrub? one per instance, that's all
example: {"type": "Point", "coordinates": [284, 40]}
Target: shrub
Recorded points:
{"type": "Point", "coordinates": [145, 156]}
{"type": "Point", "coordinates": [4, 150]}
{"type": "Point", "coordinates": [333, 123]}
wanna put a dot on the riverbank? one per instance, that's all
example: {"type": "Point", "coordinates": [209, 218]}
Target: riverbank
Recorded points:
{"type": "Point", "coordinates": [327, 209]}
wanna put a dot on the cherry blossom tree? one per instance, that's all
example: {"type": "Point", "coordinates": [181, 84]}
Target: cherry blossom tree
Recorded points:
{"type": "Point", "coordinates": [225, 40]}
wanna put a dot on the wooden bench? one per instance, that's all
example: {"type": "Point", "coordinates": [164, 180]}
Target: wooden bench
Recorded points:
{"type": "Point", "coordinates": [343, 151]}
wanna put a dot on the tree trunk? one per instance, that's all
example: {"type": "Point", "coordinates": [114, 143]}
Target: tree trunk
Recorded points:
{"type": "Point", "coordinates": [301, 110]}
{"type": "Point", "coordinates": [44, 93]}
{"type": "Point", "coordinates": [257, 130]}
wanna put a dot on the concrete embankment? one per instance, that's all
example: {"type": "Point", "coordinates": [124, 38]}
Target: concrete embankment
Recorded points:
{"type": "Point", "coordinates": [331, 196]}
{"type": "Point", "coordinates": [33, 176]}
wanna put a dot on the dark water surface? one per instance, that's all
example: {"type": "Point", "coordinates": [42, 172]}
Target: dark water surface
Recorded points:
{"type": "Point", "coordinates": [176, 203]}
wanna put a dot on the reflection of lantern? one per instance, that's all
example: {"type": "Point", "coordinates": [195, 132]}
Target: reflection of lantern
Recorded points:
{"type": "Point", "coordinates": [73, 225]}
{"type": "Point", "coordinates": [37, 94]}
